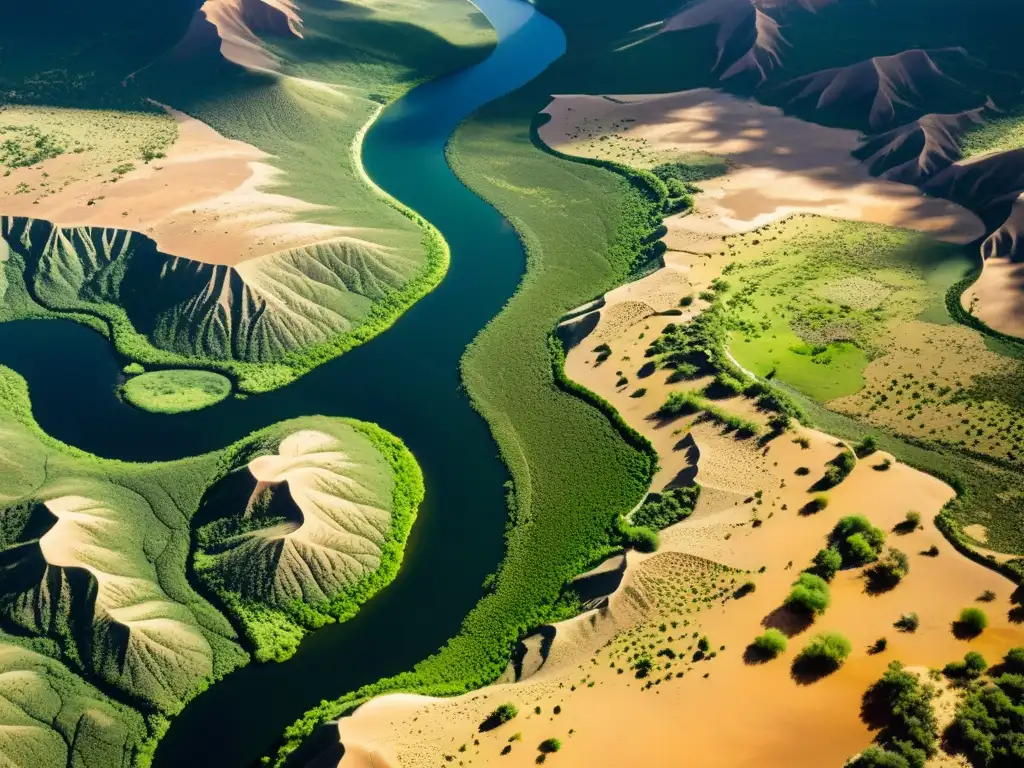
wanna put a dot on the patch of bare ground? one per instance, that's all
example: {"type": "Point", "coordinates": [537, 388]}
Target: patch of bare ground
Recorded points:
{"type": "Point", "coordinates": [208, 198]}
{"type": "Point", "coordinates": [778, 164]}
{"type": "Point", "coordinates": [629, 683]}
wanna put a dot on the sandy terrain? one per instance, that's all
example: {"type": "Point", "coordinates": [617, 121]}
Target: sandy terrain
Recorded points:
{"type": "Point", "coordinates": [208, 200]}
{"type": "Point", "coordinates": [237, 20]}
{"type": "Point", "coordinates": [995, 298]}
{"type": "Point", "coordinates": [606, 715]}
{"type": "Point", "coordinates": [780, 165]}
{"type": "Point", "coordinates": [609, 718]}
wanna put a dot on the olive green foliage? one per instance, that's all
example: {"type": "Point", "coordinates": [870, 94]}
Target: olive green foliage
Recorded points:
{"type": "Point", "coordinates": [814, 308]}
{"type": "Point", "coordinates": [810, 595]}
{"type": "Point", "coordinates": [770, 644]}
{"type": "Point", "coordinates": [908, 622]}
{"type": "Point", "coordinates": [972, 667]}
{"type": "Point", "coordinates": [901, 706]}
{"type": "Point", "coordinates": [827, 563]}
{"type": "Point", "coordinates": [858, 541]}
{"type": "Point", "coordinates": [549, 746]}
{"type": "Point", "coordinates": [988, 728]}
{"type": "Point", "coordinates": [23, 146]}
{"type": "Point", "coordinates": [661, 510]}
{"type": "Point", "coordinates": [971, 622]}
{"type": "Point", "coordinates": [176, 391]}
{"type": "Point", "coordinates": [889, 570]}
{"type": "Point", "coordinates": [641, 538]}
{"type": "Point", "coordinates": [827, 650]}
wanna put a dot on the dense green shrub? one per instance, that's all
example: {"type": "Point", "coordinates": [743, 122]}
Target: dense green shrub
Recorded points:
{"type": "Point", "coordinates": [827, 563]}
{"type": "Point", "coordinates": [770, 644]}
{"type": "Point", "coordinates": [858, 541]}
{"type": "Point", "coordinates": [889, 571]}
{"type": "Point", "coordinates": [972, 667]}
{"type": "Point", "coordinates": [661, 510]}
{"type": "Point", "coordinates": [809, 595]}
{"type": "Point", "coordinates": [867, 446]}
{"type": "Point", "coordinates": [549, 746]}
{"type": "Point", "coordinates": [988, 727]}
{"type": "Point", "coordinates": [901, 706]}
{"type": "Point", "coordinates": [825, 652]}
{"type": "Point", "coordinates": [1014, 660]}
{"type": "Point", "coordinates": [971, 622]}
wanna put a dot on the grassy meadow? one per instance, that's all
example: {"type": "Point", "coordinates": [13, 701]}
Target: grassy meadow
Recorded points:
{"type": "Point", "coordinates": [852, 317]}
{"type": "Point", "coordinates": [176, 391]}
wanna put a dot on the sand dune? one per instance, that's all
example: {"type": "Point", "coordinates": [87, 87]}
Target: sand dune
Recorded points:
{"type": "Point", "coordinates": [209, 200]}
{"type": "Point", "coordinates": [779, 164]}
{"type": "Point", "coordinates": [997, 297]}
{"type": "Point", "coordinates": [881, 92]}
{"type": "Point", "coordinates": [233, 27]}
{"type": "Point", "coordinates": [341, 494]}
{"type": "Point", "coordinates": [916, 151]}
{"type": "Point", "coordinates": [144, 639]}
{"type": "Point", "coordinates": [584, 691]}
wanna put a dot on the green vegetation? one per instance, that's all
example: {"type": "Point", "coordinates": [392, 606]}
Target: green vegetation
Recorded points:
{"type": "Point", "coordinates": [357, 484]}
{"type": "Point", "coordinates": [888, 571]}
{"type": "Point", "coordinates": [823, 654]}
{"type": "Point", "coordinates": [130, 623]}
{"type": "Point", "coordinates": [810, 595]}
{"type": "Point", "coordinates": [661, 510]}
{"type": "Point", "coordinates": [857, 540]}
{"type": "Point", "coordinates": [998, 133]}
{"type": "Point", "coordinates": [900, 705]}
{"type": "Point", "coordinates": [770, 644]}
{"type": "Point", "coordinates": [823, 293]}
{"type": "Point", "coordinates": [362, 284]}
{"type": "Point", "coordinates": [827, 563]}
{"type": "Point", "coordinates": [971, 622]}
{"type": "Point", "coordinates": [24, 146]}
{"type": "Point", "coordinates": [176, 391]}
{"type": "Point", "coordinates": [971, 668]}
{"type": "Point", "coordinates": [908, 622]}
{"type": "Point", "coordinates": [988, 728]}
{"type": "Point", "coordinates": [549, 746]}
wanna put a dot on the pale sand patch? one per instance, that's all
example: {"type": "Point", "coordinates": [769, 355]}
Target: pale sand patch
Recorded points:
{"type": "Point", "coordinates": [995, 298]}
{"type": "Point", "coordinates": [207, 201]}
{"type": "Point", "coordinates": [780, 165]}
{"type": "Point", "coordinates": [235, 20]}
{"type": "Point", "coordinates": [613, 721]}
{"type": "Point", "coordinates": [617, 723]}
{"type": "Point", "coordinates": [977, 532]}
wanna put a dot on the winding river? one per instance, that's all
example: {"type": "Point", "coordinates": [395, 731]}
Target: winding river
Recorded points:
{"type": "Point", "coordinates": [406, 380]}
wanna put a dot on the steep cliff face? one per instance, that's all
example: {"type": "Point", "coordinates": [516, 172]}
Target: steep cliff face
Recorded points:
{"type": "Point", "coordinates": [258, 311]}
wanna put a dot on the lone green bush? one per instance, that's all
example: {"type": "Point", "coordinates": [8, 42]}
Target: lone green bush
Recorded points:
{"type": "Point", "coordinates": [826, 651]}
{"type": "Point", "coordinates": [810, 595]}
{"type": "Point", "coordinates": [549, 746]}
{"type": "Point", "coordinates": [770, 644]}
{"type": "Point", "coordinates": [972, 622]}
